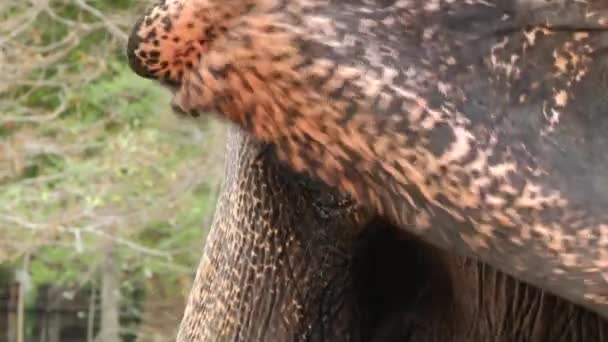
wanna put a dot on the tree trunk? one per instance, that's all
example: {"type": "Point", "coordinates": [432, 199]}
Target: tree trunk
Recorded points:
{"type": "Point", "coordinates": [13, 300]}
{"type": "Point", "coordinates": [110, 296]}
{"type": "Point", "coordinates": [161, 314]}
{"type": "Point", "coordinates": [54, 325]}
{"type": "Point", "coordinates": [91, 315]}
{"type": "Point", "coordinates": [23, 284]}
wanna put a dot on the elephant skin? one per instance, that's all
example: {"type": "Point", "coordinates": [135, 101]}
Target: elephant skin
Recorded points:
{"type": "Point", "coordinates": [288, 259]}
{"type": "Point", "coordinates": [476, 125]}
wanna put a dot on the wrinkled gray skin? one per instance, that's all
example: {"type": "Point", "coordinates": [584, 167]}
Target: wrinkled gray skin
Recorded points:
{"type": "Point", "coordinates": [289, 260]}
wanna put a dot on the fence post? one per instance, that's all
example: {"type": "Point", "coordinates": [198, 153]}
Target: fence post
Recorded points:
{"type": "Point", "coordinates": [11, 310]}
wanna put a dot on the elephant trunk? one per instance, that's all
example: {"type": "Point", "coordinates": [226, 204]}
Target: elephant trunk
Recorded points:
{"type": "Point", "coordinates": [266, 263]}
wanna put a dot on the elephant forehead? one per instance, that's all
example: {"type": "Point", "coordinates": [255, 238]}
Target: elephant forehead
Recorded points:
{"type": "Point", "coordinates": [172, 37]}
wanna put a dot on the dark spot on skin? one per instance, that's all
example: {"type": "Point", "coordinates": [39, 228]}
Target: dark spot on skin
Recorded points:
{"type": "Point", "coordinates": [492, 188]}
{"type": "Point", "coordinates": [465, 180]}
{"type": "Point", "coordinates": [208, 31]}
{"type": "Point", "coordinates": [441, 198]}
{"type": "Point", "coordinates": [151, 35]}
{"type": "Point", "coordinates": [428, 181]}
{"type": "Point", "coordinates": [190, 25]}
{"type": "Point", "coordinates": [176, 39]}
{"type": "Point", "coordinates": [398, 167]}
{"type": "Point", "coordinates": [167, 24]}
{"type": "Point", "coordinates": [441, 138]}
{"type": "Point", "coordinates": [154, 54]}
{"type": "Point", "coordinates": [279, 58]}
{"type": "Point", "coordinates": [270, 29]}
{"type": "Point", "coordinates": [338, 92]}
{"type": "Point", "coordinates": [494, 158]}
{"type": "Point", "coordinates": [350, 112]}
{"type": "Point", "coordinates": [552, 213]}
{"type": "Point", "coordinates": [246, 86]}
{"type": "Point", "coordinates": [218, 73]}
{"type": "Point", "coordinates": [517, 181]}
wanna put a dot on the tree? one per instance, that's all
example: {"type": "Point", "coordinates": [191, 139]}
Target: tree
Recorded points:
{"type": "Point", "coordinates": [110, 295]}
{"type": "Point", "coordinates": [90, 157]}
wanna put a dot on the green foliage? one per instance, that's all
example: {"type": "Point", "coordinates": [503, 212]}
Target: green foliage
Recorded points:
{"type": "Point", "coordinates": [139, 161]}
{"type": "Point", "coordinates": [114, 164]}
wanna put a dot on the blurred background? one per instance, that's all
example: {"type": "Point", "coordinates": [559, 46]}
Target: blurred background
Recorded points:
{"type": "Point", "coordinates": [105, 195]}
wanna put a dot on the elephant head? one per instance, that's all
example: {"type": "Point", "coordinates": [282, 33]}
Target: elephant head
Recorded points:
{"type": "Point", "coordinates": [476, 125]}
{"type": "Point", "coordinates": [473, 125]}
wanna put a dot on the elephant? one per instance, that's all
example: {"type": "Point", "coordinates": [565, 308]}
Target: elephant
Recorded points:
{"type": "Point", "coordinates": [474, 124]}
{"type": "Point", "coordinates": [291, 259]}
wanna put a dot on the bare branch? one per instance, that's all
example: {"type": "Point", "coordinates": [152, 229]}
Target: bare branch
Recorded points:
{"type": "Point", "coordinates": [111, 27]}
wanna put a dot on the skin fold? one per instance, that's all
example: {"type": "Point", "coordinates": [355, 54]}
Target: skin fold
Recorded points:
{"type": "Point", "coordinates": [289, 259]}
{"type": "Point", "coordinates": [474, 125]}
